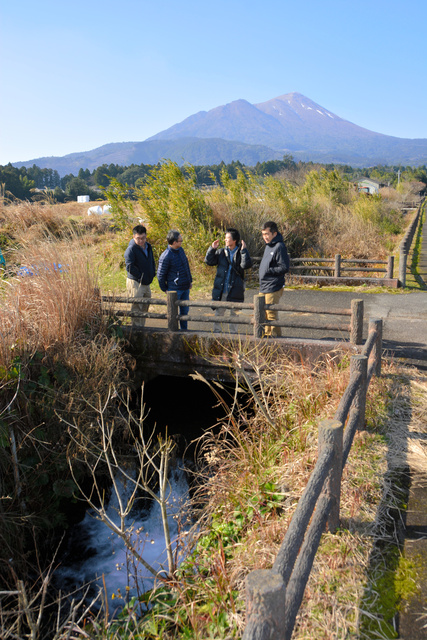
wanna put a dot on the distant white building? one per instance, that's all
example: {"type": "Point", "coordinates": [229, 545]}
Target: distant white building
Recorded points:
{"type": "Point", "coordinates": [368, 186]}
{"type": "Point", "coordinates": [82, 198]}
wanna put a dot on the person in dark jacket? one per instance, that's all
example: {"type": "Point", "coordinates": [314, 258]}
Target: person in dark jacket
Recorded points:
{"type": "Point", "coordinates": [274, 265]}
{"type": "Point", "coordinates": [141, 269]}
{"type": "Point", "coordinates": [231, 262]}
{"type": "Point", "coordinates": [174, 273]}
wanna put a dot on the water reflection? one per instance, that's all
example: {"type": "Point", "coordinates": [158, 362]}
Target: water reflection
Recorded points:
{"type": "Point", "coordinates": [95, 554]}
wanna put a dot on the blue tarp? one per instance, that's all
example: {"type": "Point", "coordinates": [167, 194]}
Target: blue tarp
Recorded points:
{"type": "Point", "coordinates": [34, 269]}
{"type": "Point", "coordinates": [2, 260]}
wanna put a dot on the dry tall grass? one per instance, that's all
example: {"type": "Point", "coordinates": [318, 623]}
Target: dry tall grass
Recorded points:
{"type": "Point", "coordinates": [321, 216]}
{"type": "Point", "coordinates": [50, 307]}
{"type": "Point", "coordinates": [23, 224]}
{"type": "Point", "coordinates": [55, 356]}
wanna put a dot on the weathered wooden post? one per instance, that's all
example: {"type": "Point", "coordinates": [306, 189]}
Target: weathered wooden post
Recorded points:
{"type": "Point", "coordinates": [172, 310]}
{"type": "Point", "coordinates": [356, 323]}
{"type": "Point", "coordinates": [390, 267]}
{"type": "Point", "coordinates": [265, 606]}
{"type": "Point", "coordinates": [331, 433]}
{"type": "Point", "coordinates": [259, 315]}
{"type": "Point", "coordinates": [376, 325]}
{"type": "Point", "coordinates": [337, 268]}
{"type": "Point", "coordinates": [403, 257]}
{"type": "Point", "coordinates": [359, 364]}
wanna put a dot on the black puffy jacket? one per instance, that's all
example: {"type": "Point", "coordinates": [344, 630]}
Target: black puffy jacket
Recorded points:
{"type": "Point", "coordinates": [221, 259]}
{"type": "Point", "coordinates": [274, 265]}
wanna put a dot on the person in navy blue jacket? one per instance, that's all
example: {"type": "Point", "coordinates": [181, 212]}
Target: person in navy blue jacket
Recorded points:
{"type": "Point", "coordinates": [141, 269]}
{"type": "Point", "coordinates": [174, 273]}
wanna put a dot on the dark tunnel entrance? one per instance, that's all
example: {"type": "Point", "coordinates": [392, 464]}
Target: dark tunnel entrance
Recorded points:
{"type": "Point", "coordinates": [186, 407]}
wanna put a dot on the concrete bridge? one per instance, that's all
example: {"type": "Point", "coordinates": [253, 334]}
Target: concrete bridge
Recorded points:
{"type": "Point", "coordinates": [161, 352]}
{"type": "Point", "coordinates": [160, 348]}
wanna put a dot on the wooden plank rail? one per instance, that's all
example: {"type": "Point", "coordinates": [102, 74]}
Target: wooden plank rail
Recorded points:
{"type": "Point", "coordinates": [341, 266]}
{"type": "Point", "coordinates": [275, 595]}
{"type": "Point", "coordinates": [257, 319]}
{"type": "Point", "coordinates": [406, 243]}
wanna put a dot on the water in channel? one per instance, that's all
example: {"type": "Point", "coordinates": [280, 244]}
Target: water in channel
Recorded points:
{"type": "Point", "coordinates": [93, 552]}
{"type": "Point", "coordinates": [96, 554]}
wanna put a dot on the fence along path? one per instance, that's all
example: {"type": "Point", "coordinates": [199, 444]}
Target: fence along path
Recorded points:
{"type": "Point", "coordinates": [274, 595]}
{"type": "Point", "coordinates": [337, 270]}
{"type": "Point", "coordinates": [255, 320]}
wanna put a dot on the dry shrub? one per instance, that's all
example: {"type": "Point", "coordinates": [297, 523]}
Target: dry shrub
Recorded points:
{"type": "Point", "coordinates": [248, 220]}
{"type": "Point", "coordinates": [24, 223]}
{"type": "Point", "coordinates": [341, 231]}
{"type": "Point", "coordinates": [56, 313]}
{"type": "Point", "coordinates": [321, 217]}
{"type": "Point", "coordinates": [54, 333]}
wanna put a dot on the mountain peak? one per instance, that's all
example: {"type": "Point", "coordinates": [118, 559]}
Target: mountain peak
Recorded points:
{"type": "Point", "coordinates": [288, 124]}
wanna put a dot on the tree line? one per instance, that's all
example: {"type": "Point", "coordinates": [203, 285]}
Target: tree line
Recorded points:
{"type": "Point", "coordinates": [34, 183]}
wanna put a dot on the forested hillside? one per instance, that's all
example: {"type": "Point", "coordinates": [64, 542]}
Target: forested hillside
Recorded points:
{"type": "Point", "coordinates": [27, 183]}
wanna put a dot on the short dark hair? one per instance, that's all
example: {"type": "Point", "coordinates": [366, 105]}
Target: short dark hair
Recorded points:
{"type": "Point", "coordinates": [270, 225]}
{"type": "Point", "coordinates": [139, 230]}
{"type": "Point", "coordinates": [234, 234]}
{"type": "Point", "coordinates": [173, 236]}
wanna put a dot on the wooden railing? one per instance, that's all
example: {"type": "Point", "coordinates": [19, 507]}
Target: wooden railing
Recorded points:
{"type": "Point", "coordinates": [340, 265]}
{"type": "Point", "coordinates": [405, 246]}
{"type": "Point", "coordinates": [337, 270]}
{"type": "Point", "coordinates": [256, 320]}
{"type": "Point", "coordinates": [275, 595]}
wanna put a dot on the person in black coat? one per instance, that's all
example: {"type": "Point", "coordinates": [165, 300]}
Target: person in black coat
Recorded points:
{"type": "Point", "coordinates": [231, 262]}
{"type": "Point", "coordinates": [274, 265]}
{"type": "Point", "coordinates": [141, 269]}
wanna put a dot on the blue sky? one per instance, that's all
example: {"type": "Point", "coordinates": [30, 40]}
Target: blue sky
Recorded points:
{"type": "Point", "coordinates": [77, 75]}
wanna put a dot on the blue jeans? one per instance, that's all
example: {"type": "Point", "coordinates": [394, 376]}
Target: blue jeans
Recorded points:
{"type": "Point", "coordinates": [184, 294]}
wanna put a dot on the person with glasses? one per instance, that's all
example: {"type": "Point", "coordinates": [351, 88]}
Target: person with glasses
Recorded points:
{"type": "Point", "coordinates": [141, 270]}
{"type": "Point", "coordinates": [174, 273]}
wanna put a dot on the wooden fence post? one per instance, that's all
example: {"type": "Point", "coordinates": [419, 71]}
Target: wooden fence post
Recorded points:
{"type": "Point", "coordinates": [331, 433]}
{"type": "Point", "coordinates": [376, 324]}
{"type": "Point", "coordinates": [356, 323]}
{"type": "Point", "coordinates": [265, 606]}
{"type": "Point", "coordinates": [259, 315]}
{"type": "Point", "coordinates": [390, 267]}
{"type": "Point", "coordinates": [402, 266]}
{"type": "Point", "coordinates": [360, 364]}
{"type": "Point", "coordinates": [172, 310]}
{"type": "Point", "coordinates": [337, 269]}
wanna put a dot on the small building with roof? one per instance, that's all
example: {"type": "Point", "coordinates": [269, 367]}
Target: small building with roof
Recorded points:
{"type": "Point", "coordinates": [367, 185]}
